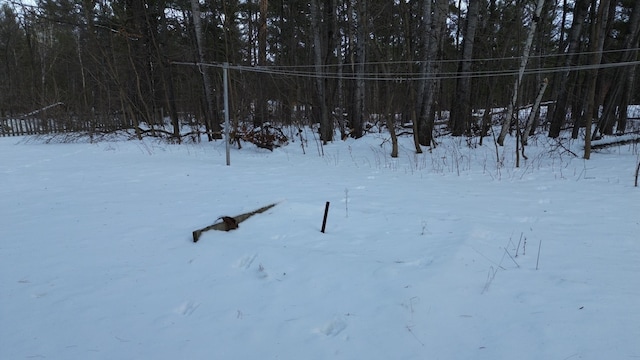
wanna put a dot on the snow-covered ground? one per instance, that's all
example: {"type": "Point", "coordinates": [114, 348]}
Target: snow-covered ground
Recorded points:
{"type": "Point", "coordinates": [443, 255]}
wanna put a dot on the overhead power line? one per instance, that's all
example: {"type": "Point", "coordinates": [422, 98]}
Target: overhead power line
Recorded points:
{"type": "Point", "coordinates": [477, 60]}
{"type": "Point", "coordinates": [409, 76]}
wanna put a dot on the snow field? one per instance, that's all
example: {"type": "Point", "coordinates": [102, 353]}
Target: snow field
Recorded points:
{"type": "Point", "coordinates": [424, 256]}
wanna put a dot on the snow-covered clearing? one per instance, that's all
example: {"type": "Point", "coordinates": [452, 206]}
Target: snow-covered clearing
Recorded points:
{"type": "Point", "coordinates": [443, 255]}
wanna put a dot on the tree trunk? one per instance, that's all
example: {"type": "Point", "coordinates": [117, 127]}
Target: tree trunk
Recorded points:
{"type": "Point", "coordinates": [433, 26]}
{"type": "Point", "coordinates": [578, 91]}
{"type": "Point", "coordinates": [389, 96]}
{"type": "Point", "coordinates": [262, 111]}
{"type": "Point", "coordinates": [340, 102]}
{"type": "Point", "coordinates": [326, 128]}
{"type": "Point", "coordinates": [581, 9]}
{"type": "Point", "coordinates": [534, 110]}
{"type": "Point", "coordinates": [390, 122]}
{"type": "Point", "coordinates": [167, 76]}
{"type": "Point", "coordinates": [624, 105]}
{"type": "Point", "coordinates": [357, 118]}
{"type": "Point", "coordinates": [506, 123]}
{"type": "Point", "coordinates": [618, 98]}
{"type": "Point", "coordinates": [408, 33]}
{"type": "Point", "coordinates": [214, 131]}
{"type": "Point", "coordinates": [598, 25]}
{"type": "Point", "coordinates": [461, 112]}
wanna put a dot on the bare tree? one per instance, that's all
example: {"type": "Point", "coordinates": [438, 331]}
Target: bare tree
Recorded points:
{"type": "Point", "coordinates": [581, 9]}
{"type": "Point", "coordinates": [433, 23]}
{"type": "Point", "coordinates": [621, 84]}
{"type": "Point", "coordinates": [262, 112]}
{"type": "Point", "coordinates": [213, 127]}
{"type": "Point", "coordinates": [326, 125]}
{"type": "Point", "coordinates": [357, 116]}
{"type": "Point", "coordinates": [506, 123]}
{"type": "Point", "coordinates": [120, 63]}
{"type": "Point", "coordinates": [461, 113]}
{"type": "Point", "coordinates": [598, 25]}
{"type": "Point", "coordinates": [534, 111]}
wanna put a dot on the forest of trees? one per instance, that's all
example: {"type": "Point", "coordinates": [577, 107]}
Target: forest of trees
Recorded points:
{"type": "Point", "coordinates": [156, 66]}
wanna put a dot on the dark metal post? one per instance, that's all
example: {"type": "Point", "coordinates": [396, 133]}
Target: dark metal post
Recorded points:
{"type": "Point", "coordinates": [324, 220]}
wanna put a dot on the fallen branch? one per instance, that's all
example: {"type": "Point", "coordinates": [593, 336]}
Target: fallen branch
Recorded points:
{"type": "Point", "coordinates": [230, 223]}
{"type": "Point", "coordinates": [34, 112]}
{"type": "Point", "coordinates": [616, 142]}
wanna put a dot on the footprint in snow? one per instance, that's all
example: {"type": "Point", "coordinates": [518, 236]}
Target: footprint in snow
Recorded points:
{"type": "Point", "coordinates": [261, 273]}
{"type": "Point", "coordinates": [246, 261]}
{"type": "Point", "coordinates": [333, 327]}
{"type": "Point", "coordinates": [419, 263]}
{"type": "Point", "coordinates": [187, 308]}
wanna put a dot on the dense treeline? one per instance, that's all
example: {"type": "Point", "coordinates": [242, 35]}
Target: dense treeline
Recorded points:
{"type": "Point", "coordinates": [341, 64]}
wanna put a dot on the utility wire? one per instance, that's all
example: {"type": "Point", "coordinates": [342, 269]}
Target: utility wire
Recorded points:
{"type": "Point", "coordinates": [409, 76]}
{"type": "Point", "coordinates": [455, 61]}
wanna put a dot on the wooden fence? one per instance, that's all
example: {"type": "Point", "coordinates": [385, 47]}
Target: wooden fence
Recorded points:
{"type": "Point", "coordinates": [54, 118]}
{"type": "Point", "coordinates": [28, 126]}
{"type": "Point", "coordinates": [39, 126]}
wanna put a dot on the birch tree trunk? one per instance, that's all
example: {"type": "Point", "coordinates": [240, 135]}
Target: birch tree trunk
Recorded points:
{"type": "Point", "coordinates": [506, 123]}
{"type": "Point", "coordinates": [433, 25]}
{"type": "Point", "coordinates": [534, 110]}
{"type": "Point", "coordinates": [213, 127]}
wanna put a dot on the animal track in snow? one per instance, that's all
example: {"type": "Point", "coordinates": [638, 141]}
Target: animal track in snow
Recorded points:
{"type": "Point", "coordinates": [261, 273]}
{"type": "Point", "coordinates": [419, 263]}
{"type": "Point", "coordinates": [187, 308]}
{"type": "Point", "coordinates": [246, 261]}
{"type": "Point", "coordinates": [333, 327]}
